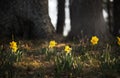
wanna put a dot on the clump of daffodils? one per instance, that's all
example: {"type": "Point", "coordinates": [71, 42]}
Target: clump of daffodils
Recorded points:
{"type": "Point", "coordinates": [118, 40]}
{"type": "Point", "coordinates": [13, 46]}
{"type": "Point", "coordinates": [67, 49]}
{"type": "Point", "coordinates": [94, 40]}
{"type": "Point", "coordinates": [52, 44]}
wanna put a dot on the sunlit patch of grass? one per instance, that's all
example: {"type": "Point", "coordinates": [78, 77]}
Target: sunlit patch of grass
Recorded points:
{"type": "Point", "coordinates": [33, 64]}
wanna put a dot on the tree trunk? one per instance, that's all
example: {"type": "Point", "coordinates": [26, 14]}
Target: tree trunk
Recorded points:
{"type": "Point", "coordinates": [110, 15]}
{"type": "Point", "coordinates": [87, 19]}
{"type": "Point", "coordinates": [116, 13]}
{"type": "Point", "coordinates": [61, 16]}
{"type": "Point", "coordinates": [27, 19]}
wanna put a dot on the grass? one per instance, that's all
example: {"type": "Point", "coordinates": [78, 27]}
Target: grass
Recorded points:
{"type": "Point", "coordinates": [84, 61]}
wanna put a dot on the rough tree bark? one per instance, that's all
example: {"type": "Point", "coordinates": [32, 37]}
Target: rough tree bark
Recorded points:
{"type": "Point", "coordinates": [87, 19]}
{"type": "Point", "coordinates": [27, 19]}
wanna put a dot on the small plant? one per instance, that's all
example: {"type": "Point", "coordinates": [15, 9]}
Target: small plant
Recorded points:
{"type": "Point", "coordinates": [8, 58]}
{"type": "Point", "coordinates": [50, 51]}
{"type": "Point", "coordinates": [77, 66]}
{"type": "Point", "coordinates": [108, 63]}
{"type": "Point", "coordinates": [64, 61]}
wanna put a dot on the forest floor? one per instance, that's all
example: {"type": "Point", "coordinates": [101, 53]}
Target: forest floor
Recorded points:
{"type": "Point", "coordinates": [82, 63]}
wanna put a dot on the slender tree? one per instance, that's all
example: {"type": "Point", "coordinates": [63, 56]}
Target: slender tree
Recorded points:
{"type": "Point", "coordinates": [116, 12]}
{"type": "Point", "coordinates": [110, 14]}
{"type": "Point", "coordinates": [61, 16]}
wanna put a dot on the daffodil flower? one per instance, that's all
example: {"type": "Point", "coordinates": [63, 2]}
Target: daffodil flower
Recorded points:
{"type": "Point", "coordinates": [67, 49]}
{"type": "Point", "coordinates": [13, 46]}
{"type": "Point", "coordinates": [52, 44]}
{"type": "Point", "coordinates": [94, 40]}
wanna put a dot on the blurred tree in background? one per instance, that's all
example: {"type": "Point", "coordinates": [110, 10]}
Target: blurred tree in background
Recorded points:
{"type": "Point", "coordinates": [30, 20]}
{"type": "Point", "coordinates": [61, 16]}
{"type": "Point", "coordinates": [116, 15]}
{"type": "Point", "coordinates": [87, 19]}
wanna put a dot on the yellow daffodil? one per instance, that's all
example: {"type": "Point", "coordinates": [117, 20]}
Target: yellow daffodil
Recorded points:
{"type": "Point", "coordinates": [94, 40]}
{"type": "Point", "coordinates": [52, 44]}
{"type": "Point", "coordinates": [118, 40]}
{"type": "Point", "coordinates": [67, 49]}
{"type": "Point", "coordinates": [13, 46]}
{"type": "Point", "coordinates": [14, 49]}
